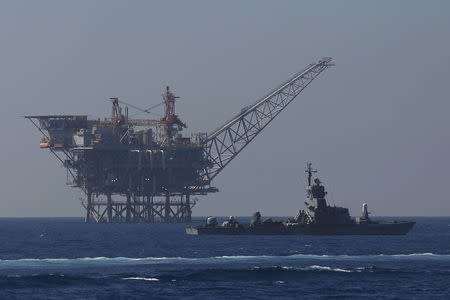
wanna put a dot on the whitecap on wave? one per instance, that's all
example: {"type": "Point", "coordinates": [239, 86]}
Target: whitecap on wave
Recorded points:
{"type": "Point", "coordinates": [141, 278]}
{"type": "Point", "coordinates": [325, 268]}
{"type": "Point", "coordinates": [51, 262]}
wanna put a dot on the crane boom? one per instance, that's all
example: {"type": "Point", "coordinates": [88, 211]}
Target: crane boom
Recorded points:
{"type": "Point", "coordinates": [223, 144]}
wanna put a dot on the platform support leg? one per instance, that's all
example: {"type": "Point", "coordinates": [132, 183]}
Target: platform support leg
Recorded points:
{"type": "Point", "coordinates": [167, 209]}
{"type": "Point", "coordinates": [188, 209]}
{"type": "Point", "coordinates": [88, 208]}
{"type": "Point", "coordinates": [109, 208]}
{"type": "Point", "coordinates": [128, 209]}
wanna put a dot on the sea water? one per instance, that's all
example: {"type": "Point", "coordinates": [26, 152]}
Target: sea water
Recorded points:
{"type": "Point", "coordinates": [54, 258]}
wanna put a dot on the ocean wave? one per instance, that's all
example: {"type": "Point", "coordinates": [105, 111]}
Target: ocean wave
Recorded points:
{"type": "Point", "coordinates": [44, 280]}
{"type": "Point", "coordinates": [43, 262]}
{"type": "Point", "coordinates": [141, 278]}
{"type": "Point", "coordinates": [277, 274]}
{"type": "Point", "coordinates": [326, 268]}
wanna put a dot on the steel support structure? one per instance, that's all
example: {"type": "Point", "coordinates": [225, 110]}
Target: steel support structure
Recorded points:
{"type": "Point", "coordinates": [221, 146]}
{"type": "Point", "coordinates": [145, 209]}
{"type": "Point", "coordinates": [134, 176]}
{"type": "Point", "coordinates": [137, 205]}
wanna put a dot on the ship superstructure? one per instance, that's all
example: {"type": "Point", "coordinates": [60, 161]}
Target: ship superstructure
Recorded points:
{"type": "Point", "coordinates": [317, 209]}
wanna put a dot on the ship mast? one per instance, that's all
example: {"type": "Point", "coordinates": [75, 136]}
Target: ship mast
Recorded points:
{"type": "Point", "coordinates": [309, 170]}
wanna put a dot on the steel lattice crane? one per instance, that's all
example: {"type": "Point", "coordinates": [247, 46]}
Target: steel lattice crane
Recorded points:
{"type": "Point", "coordinates": [225, 143]}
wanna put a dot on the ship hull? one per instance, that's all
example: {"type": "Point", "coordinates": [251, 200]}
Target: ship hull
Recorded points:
{"type": "Point", "coordinates": [391, 228]}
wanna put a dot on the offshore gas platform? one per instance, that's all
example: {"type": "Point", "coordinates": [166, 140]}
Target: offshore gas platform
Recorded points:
{"type": "Point", "coordinates": [145, 170]}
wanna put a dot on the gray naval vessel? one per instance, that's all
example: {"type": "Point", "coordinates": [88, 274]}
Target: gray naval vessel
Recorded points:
{"type": "Point", "coordinates": [318, 218]}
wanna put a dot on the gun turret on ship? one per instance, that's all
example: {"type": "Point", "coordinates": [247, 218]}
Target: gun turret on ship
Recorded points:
{"type": "Point", "coordinates": [318, 218]}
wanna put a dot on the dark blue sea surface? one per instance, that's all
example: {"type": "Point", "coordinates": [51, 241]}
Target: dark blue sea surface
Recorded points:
{"type": "Point", "coordinates": [56, 258]}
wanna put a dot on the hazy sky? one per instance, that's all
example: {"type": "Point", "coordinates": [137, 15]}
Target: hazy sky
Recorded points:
{"type": "Point", "coordinates": [376, 125]}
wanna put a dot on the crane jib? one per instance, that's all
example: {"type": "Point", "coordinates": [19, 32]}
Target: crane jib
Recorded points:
{"type": "Point", "coordinates": [223, 144]}
{"type": "Point", "coordinates": [325, 62]}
